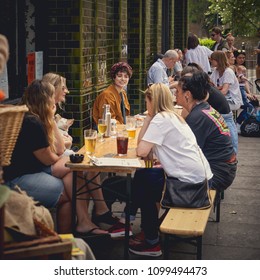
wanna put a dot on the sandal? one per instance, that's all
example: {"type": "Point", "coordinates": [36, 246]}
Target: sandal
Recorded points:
{"type": "Point", "coordinates": [106, 218]}
{"type": "Point", "coordinates": [90, 233]}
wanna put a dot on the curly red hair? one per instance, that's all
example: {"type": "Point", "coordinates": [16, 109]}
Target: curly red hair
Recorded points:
{"type": "Point", "coordinates": [121, 67]}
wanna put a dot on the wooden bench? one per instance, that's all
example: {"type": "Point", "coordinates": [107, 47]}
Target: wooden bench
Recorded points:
{"type": "Point", "coordinates": [186, 225]}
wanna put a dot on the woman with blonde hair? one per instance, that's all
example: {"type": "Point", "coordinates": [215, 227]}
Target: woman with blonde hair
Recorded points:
{"type": "Point", "coordinates": [225, 79]}
{"type": "Point", "coordinates": [100, 213]}
{"type": "Point", "coordinates": [61, 90]}
{"type": "Point", "coordinates": [166, 136]}
{"type": "Point", "coordinates": [59, 82]}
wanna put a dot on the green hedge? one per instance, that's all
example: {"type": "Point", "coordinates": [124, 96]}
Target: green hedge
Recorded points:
{"type": "Point", "coordinates": [207, 42]}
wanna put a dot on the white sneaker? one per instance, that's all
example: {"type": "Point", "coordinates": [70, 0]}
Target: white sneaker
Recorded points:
{"type": "Point", "coordinates": [238, 128]}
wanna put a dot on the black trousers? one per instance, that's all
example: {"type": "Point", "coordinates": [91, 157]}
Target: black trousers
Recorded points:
{"type": "Point", "coordinates": [147, 186]}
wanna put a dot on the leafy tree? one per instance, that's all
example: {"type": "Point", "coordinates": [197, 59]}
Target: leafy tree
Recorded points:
{"type": "Point", "coordinates": [239, 16]}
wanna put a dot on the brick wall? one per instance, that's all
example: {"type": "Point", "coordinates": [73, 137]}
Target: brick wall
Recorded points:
{"type": "Point", "coordinates": [87, 37]}
{"type": "Point", "coordinates": [180, 24]}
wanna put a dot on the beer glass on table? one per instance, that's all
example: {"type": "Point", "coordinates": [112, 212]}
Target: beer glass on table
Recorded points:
{"type": "Point", "coordinates": [90, 136]}
{"type": "Point", "coordinates": [131, 127]}
{"type": "Point", "coordinates": [102, 128]}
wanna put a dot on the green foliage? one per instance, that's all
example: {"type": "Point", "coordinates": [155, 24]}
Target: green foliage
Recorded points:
{"type": "Point", "coordinates": [207, 42]}
{"type": "Point", "coordinates": [240, 16]}
{"type": "Point", "coordinates": [197, 9]}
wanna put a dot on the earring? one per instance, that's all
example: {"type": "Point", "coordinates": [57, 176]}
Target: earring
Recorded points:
{"type": "Point", "coordinates": [186, 98]}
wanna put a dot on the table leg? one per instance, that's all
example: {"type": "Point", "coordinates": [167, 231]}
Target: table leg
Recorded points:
{"type": "Point", "coordinates": [74, 201]}
{"type": "Point", "coordinates": [127, 217]}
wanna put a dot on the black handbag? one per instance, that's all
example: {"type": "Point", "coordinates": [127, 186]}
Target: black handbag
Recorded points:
{"type": "Point", "coordinates": [250, 127]}
{"type": "Point", "coordinates": [186, 195]}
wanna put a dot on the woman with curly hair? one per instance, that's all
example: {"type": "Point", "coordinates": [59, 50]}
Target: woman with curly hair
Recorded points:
{"type": "Point", "coordinates": [115, 95]}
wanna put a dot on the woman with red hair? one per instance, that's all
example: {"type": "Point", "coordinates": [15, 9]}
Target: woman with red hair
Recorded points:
{"type": "Point", "coordinates": [115, 95]}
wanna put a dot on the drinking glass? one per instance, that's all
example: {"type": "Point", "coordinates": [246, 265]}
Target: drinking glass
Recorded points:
{"type": "Point", "coordinates": [102, 128]}
{"type": "Point", "coordinates": [131, 127]}
{"type": "Point", "coordinates": [90, 137]}
{"type": "Point", "coordinates": [122, 143]}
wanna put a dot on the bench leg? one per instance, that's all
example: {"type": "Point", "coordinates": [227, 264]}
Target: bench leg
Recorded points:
{"type": "Point", "coordinates": [199, 248]}
{"type": "Point", "coordinates": [218, 212]}
{"type": "Point", "coordinates": [166, 246]}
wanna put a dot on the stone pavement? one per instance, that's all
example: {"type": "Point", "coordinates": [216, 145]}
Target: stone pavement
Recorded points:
{"type": "Point", "coordinates": [236, 236]}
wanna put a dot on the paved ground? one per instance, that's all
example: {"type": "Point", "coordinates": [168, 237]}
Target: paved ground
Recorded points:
{"type": "Point", "coordinates": [237, 236]}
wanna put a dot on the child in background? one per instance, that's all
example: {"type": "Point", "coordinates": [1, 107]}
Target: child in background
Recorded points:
{"type": "Point", "coordinates": [247, 97]}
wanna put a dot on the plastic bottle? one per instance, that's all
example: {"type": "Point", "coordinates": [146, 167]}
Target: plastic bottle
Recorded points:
{"type": "Point", "coordinates": [108, 122]}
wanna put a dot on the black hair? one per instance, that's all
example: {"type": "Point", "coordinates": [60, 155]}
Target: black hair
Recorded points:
{"type": "Point", "coordinates": [197, 84]}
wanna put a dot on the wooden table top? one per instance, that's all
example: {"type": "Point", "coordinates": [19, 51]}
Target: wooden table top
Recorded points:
{"type": "Point", "coordinates": [108, 148]}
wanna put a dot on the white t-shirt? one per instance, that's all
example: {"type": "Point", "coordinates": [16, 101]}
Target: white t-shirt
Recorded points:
{"type": "Point", "coordinates": [176, 148]}
{"type": "Point", "coordinates": [199, 55]}
{"type": "Point", "coordinates": [234, 95]}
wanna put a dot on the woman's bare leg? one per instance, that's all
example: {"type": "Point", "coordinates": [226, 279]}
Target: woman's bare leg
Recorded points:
{"type": "Point", "coordinates": [84, 223]}
{"type": "Point", "coordinates": [64, 215]}
{"type": "Point", "coordinates": [97, 194]}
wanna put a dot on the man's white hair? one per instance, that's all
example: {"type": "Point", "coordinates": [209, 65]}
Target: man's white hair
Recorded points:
{"type": "Point", "coordinates": [171, 54]}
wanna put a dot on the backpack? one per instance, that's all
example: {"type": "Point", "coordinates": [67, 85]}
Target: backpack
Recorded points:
{"type": "Point", "coordinates": [251, 125]}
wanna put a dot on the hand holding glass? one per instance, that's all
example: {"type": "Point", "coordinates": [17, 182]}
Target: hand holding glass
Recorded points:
{"type": "Point", "coordinates": [102, 128]}
{"type": "Point", "coordinates": [90, 137]}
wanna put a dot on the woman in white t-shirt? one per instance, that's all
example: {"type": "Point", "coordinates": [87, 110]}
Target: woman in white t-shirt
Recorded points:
{"type": "Point", "coordinates": [225, 79]}
{"type": "Point", "coordinates": [166, 135]}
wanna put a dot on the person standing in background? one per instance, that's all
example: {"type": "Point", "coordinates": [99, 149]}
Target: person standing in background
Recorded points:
{"type": "Point", "coordinates": [230, 40]}
{"type": "Point", "coordinates": [220, 44]}
{"type": "Point", "coordinates": [197, 53]}
{"type": "Point", "coordinates": [257, 52]}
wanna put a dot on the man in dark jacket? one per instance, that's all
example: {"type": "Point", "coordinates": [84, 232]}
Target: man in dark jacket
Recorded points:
{"type": "Point", "coordinates": [220, 44]}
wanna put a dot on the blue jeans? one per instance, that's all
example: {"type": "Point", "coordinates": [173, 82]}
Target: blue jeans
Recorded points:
{"type": "Point", "coordinates": [247, 106]}
{"type": "Point", "coordinates": [233, 129]}
{"type": "Point", "coordinates": [42, 186]}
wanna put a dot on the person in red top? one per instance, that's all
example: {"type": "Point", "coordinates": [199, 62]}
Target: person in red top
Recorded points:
{"type": "Point", "coordinates": [115, 95]}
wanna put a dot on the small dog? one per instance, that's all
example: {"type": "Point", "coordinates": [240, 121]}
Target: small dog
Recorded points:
{"type": "Point", "coordinates": [64, 125]}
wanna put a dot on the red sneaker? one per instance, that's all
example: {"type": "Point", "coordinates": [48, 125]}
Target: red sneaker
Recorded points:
{"type": "Point", "coordinates": [118, 230]}
{"type": "Point", "coordinates": [139, 237]}
{"type": "Point", "coordinates": [146, 249]}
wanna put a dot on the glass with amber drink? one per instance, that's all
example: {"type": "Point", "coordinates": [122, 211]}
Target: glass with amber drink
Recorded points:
{"type": "Point", "coordinates": [102, 128]}
{"type": "Point", "coordinates": [131, 127]}
{"type": "Point", "coordinates": [90, 136]}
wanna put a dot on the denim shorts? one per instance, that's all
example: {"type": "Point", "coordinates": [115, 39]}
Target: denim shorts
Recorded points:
{"type": "Point", "coordinates": [42, 186]}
